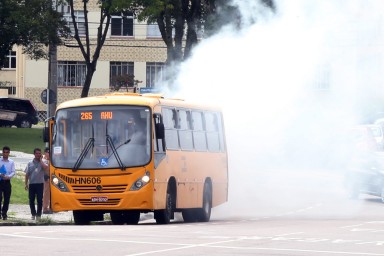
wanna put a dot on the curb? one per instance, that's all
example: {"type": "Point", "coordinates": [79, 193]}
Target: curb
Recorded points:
{"type": "Point", "coordinates": [21, 222]}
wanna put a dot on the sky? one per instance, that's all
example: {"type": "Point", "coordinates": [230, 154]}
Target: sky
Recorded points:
{"type": "Point", "coordinates": [289, 85]}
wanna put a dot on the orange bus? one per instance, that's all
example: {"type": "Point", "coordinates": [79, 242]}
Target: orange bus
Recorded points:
{"type": "Point", "coordinates": [127, 154]}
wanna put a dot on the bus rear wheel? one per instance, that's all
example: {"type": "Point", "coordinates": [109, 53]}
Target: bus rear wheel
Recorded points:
{"type": "Point", "coordinates": [204, 214]}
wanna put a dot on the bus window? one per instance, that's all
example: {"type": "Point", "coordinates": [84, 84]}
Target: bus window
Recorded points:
{"type": "Point", "coordinates": [185, 133]}
{"type": "Point", "coordinates": [199, 138]}
{"type": "Point", "coordinates": [212, 130]}
{"type": "Point", "coordinates": [221, 132]}
{"type": "Point", "coordinates": [170, 124]}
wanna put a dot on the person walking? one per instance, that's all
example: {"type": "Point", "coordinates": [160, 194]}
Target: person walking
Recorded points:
{"type": "Point", "coordinates": [47, 188]}
{"type": "Point", "coordinates": [34, 182]}
{"type": "Point", "coordinates": [7, 172]}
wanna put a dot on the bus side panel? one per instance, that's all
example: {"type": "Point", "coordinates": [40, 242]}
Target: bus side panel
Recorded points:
{"type": "Point", "coordinates": [190, 170]}
{"type": "Point", "coordinates": [213, 167]}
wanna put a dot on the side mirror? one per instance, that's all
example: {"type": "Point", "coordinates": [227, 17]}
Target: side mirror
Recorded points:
{"type": "Point", "coordinates": [159, 126]}
{"type": "Point", "coordinates": [46, 134]}
{"type": "Point", "coordinates": [159, 129]}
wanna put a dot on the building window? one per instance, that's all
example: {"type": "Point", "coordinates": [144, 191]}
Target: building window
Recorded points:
{"type": "Point", "coordinates": [155, 73]}
{"type": "Point", "coordinates": [71, 73]}
{"type": "Point", "coordinates": [122, 24]}
{"type": "Point", "coordinates": [118, 69]}
{"type": "Point", "coordinates": [153, 30]}
{"type": "Point", "coordinates": [79, 17]}
{"type": "Point", "coordinates": [10, 61]}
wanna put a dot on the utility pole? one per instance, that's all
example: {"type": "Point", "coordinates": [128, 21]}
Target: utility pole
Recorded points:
{"type": "Point", "coordinates": [52, 81]}
{"type": "Point", "coordinates": [52, 75]}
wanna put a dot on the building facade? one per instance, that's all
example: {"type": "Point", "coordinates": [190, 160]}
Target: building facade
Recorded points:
{"type": "Point", "coordinates": [131, 48]}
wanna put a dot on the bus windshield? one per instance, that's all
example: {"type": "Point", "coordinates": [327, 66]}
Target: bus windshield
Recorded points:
{"type": "Point", "coordinates": [101, 137]}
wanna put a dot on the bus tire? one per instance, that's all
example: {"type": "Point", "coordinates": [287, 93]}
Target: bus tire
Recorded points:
{"type": "Point", "coordinates": [81, 218]}
{"type": "Point", "coordinates": [164, 216]}
{"type": "Point", "coordinates": [204, 214]}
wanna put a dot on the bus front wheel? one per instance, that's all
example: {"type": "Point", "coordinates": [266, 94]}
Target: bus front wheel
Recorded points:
{"type": "Point", "coordinates": [164, 216]}
{"type": "Point", "coordinates": [204, 214]}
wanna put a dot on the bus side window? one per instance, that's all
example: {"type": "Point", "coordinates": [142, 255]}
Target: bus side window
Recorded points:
{"type": "Point", "coordinates": [159, 133]}
{"type": "Point", "coordinates": [220, 126]}
{"type": "Point", "coordinates": [212, 131]}
{"type": "Point", "coordinates": [176, 119]}
{"type": "Point", "coordinates": [185, 133]}
{"type": "Point", "coordinates": [170, 122]}
{"type": "Point", "coordinates": [199, 138]}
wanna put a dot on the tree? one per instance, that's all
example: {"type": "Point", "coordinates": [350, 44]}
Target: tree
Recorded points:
{"type": "Point", "coordinates": [125, 80]}
{"type": "Point", "coordinates": [192, 18]}
{"type": "Point", "coordinates": [91, 56]}
{"type": "Point", "coordinates": [32, 24]}
{"type": "Point", "coordinates": [175, 19]}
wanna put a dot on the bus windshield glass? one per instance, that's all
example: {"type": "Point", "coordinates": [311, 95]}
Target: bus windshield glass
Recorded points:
{"type": "Point", "coordinates": [101, 137]}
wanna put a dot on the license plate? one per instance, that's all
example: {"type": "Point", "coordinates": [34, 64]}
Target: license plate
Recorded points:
{"type": "Point", "coordinates": [98, 199]}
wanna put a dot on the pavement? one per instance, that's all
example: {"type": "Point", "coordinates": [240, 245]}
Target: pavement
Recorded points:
{"type": "Point", "coordinates": [20, 214]}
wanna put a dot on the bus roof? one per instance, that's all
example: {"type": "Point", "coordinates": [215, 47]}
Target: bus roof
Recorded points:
{"type": "Point", "coordinates": [118, 98]}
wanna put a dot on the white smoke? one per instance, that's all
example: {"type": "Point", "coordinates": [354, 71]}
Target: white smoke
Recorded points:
{"type": "Point", "coordinates": [289, 84]}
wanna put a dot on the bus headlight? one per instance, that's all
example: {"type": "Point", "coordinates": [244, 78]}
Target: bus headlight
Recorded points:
{"type": "Point", "coordinates": [59, 184]}
{"type": "Point", "coordinates": [145, 179]}
{"type": "Point", "coordinates": [141, 182]}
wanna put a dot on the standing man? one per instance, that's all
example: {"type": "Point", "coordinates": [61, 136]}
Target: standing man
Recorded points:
{"type": "Point", "coordinates": [47, 188]}
{"type": "Point", "coordinates": [8, 171]}
{"type": "Point", "coordinates": [34, 182]}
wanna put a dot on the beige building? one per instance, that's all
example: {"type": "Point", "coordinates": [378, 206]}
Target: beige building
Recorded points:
{"type": "Point", "coordinates": [131, 47]}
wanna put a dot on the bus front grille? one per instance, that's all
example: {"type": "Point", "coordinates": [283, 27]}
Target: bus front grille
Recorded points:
{"type": "Point", "coordinates": [100, 189]}
{"type": "Point", "coordinates": [107, 202]}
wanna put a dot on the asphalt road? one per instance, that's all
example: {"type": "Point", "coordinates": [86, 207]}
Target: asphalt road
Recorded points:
{"type": "Point", "coordinates": [268, 218]}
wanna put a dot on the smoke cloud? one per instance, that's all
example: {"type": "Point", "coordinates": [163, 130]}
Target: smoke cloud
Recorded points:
{"type": "Point", "coordinates": [289, 85]}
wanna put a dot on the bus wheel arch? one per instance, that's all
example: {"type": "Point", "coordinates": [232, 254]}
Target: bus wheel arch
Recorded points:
{"type": "Point", "coordinates": [164, 216]}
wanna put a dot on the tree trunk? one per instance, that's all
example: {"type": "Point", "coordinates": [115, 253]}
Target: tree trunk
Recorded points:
{"type": "Point", "coordinates": [193, 16]}
{"type": "Point", "coordinates": [88, 80]}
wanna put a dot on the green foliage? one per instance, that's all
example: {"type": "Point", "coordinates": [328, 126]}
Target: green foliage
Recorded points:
{"type": "Point", "coordinates": [125, 80]}
{"type": "Point", "coordinates": [32, 24]}
{"type": "Point", "coordinates": [24, 140]}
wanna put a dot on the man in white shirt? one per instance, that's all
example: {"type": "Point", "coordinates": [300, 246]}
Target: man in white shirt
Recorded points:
{"type": "Point", "coordinates": [8, 167]}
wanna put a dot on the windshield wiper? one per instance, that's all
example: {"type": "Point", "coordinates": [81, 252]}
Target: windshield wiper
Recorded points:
{"type": "Point", "coordinates": [110, 142]}
{"type": "Point", "coordinates": [84, 152]}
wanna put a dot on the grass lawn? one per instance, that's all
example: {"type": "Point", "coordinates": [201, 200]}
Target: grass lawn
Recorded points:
{"type": "Point", "coordinates": [22, 139]}
{"type": "Point", "coordinates": [19, 194]}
